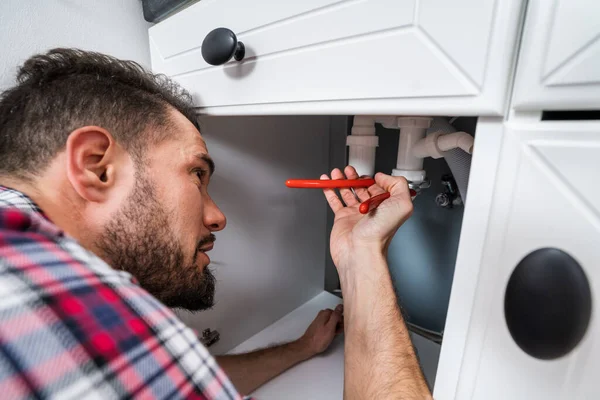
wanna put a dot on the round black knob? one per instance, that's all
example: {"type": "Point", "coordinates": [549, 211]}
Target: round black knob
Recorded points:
{"type": "Point", "coordinates": [548, 304]}
{"type": "Point", "coordinates": [220, 45]}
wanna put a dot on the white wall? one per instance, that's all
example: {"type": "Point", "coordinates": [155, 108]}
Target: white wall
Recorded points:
{"type": "Point", "coordinates": [115, 27]}
{"type": "Point", "coordinates": [270, 258]}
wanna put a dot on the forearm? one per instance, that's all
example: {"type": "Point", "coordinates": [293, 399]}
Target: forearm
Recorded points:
{"type": "Point", "coordinates": [380, 361]}
{"type": "Point", "coordinates": [251, 370]}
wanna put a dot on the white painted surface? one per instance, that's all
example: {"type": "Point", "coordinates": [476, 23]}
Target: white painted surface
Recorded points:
{"type": "Point", "coordinates": [559, 60]}
{"type": "Point", "coordinates": [115, 27]}
{"type": "Point", "coordinates": [345, 57]}
{"type": "Point", "coordinates": [322, 377]}
{"type": "Point", "coordinates": [543, 198]}
{"type": "Point", "coordinates": [270, 258]}
{"type": "Point", "coordinates": [486, 153]}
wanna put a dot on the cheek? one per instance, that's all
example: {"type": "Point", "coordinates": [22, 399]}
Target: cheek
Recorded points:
{"type": "Point", "coordinates": [189, 213]}
{"type": "Point", "coordinates": [183, 203]}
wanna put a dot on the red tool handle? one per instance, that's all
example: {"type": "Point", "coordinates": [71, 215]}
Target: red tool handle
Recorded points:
{"type": "Point", "coordinates": [372, 203]}
{"type": "Point", "coordinates": [375, 201]}
{"type": "Point", "coordinates": [364, 207]}
{"type": "Point", "coordinates": [328, 183]}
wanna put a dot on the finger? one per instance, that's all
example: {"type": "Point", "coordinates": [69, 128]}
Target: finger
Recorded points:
{"type": "Point", "coordinates": [375, 189]}
{"type": "Point", "coordinates": [340, 327]}
{"type": "Point", "coordinates": [334, 319]}
{"type": "Point", "coordinates": [396, 185]}
{"type": "Point", "coordinates": [332, 198]}
{"type": "Point", "coordinates": [347, 195]}
{"type": "Point", "coordinates": [362, 193]}
{"type": "Point", "coordinates": [340, 308]}
{"type": "Point", "coordinates": [323, 316]}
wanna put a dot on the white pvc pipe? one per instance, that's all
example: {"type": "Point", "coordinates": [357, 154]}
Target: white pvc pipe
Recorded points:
{"type": "Point", "coordinates": [363, 125]}
{"type": "Point", "coordinates": [459, 161]}
{"type": "Point", "coordinates": [461, 140]}
{"type": "Point", "coordinates": [362, 158]}
{"type": "Point", "coordinates": [408, 138]}
{"type": "Point", "coordinates": [362, 144]}
{"type": "Point", "coordinates": [412, 129]}
{"type": "Point", "coordinates": [436, 143]}
{"type": "Point", "coordinates": [427, 147]}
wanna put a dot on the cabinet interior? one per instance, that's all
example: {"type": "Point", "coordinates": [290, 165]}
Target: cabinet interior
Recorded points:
{"type": "Point", "coordinates": [282, 234]}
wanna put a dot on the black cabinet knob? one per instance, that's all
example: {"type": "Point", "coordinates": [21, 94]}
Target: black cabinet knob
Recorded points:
{"type": "Point", "coordinates": [548, 304]}
{"type": "Point", "coordinates": [220, 45]}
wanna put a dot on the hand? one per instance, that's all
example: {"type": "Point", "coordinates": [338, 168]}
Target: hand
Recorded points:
{"type": "Point", "coordinates": [353, 231]}
{"type": "Point", "coordinates": [322, 330]}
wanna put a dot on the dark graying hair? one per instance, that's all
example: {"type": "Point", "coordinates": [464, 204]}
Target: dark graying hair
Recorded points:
{"type": "Point", "coordinates": [65, 89]}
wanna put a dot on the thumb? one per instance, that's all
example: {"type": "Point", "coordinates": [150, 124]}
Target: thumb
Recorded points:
{"type": "Point", "coordinates": [395, 185]}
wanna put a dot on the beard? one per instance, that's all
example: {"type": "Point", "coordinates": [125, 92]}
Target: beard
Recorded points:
{"type": "Point", "coordinates": [139, 240]}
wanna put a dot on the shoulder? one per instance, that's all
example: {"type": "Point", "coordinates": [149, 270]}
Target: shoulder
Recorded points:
{"type": "Point", "coordinates": [71, 325]}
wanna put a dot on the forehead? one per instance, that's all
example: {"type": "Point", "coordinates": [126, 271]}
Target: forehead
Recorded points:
{"type": "Point", "coordinates": [186, 136]}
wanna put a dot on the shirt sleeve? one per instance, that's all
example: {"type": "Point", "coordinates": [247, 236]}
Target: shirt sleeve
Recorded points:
{"type": "Point", "coordinates": [72, 327]}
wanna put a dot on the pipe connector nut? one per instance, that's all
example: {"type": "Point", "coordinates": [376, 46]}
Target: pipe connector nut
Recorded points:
{"type": "Point", "coordinates": [366, 141]}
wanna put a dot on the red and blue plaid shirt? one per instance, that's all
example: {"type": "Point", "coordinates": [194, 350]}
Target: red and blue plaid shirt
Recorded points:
{"type": "Point", "coordinates": [72, 327]}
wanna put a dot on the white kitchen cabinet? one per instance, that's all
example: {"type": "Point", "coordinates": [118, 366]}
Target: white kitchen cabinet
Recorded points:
{"type": "Point", "coordinates": [429, 57]}
{"type": "Point", "coordinates": [532, 182]}
{"type": "Point", "coordinates": [545, 197]}
{"type": "Point", "coordinates": [559, 60]}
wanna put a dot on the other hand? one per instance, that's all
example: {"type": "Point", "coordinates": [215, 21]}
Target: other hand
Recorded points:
{"type": "Point", "coordinates": [353, 231]}
{"type": "Point", "coordinates": [322, 330]}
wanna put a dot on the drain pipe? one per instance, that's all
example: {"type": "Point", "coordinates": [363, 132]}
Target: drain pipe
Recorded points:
{"type": "Point", "coordinates": [438, 142]}
{"type": "Point", "coordinates": [414, 145]}
{"type": "Point", "coordinates": [362, 143]}
{"type": "Point", "coordinates": [458, 157]}
{"type": "Point", "coordinates": [412, 130]}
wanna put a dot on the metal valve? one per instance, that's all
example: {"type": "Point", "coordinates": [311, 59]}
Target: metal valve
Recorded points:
{"type": "Point", "coordinates": [450, 197]}
{"type": "Point", "coordinates": [418, 186]}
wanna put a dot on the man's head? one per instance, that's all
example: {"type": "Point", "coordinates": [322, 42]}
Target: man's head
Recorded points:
{"type": "Point", "coordinates": [113, 155]}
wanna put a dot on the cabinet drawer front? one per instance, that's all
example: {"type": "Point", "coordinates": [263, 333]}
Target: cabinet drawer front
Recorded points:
{"type": "Point", "coordinates": [559, 61]}
{"type": "Point", "coordinates": [546, 197]}
{"type": "Point", "coordinates": [446, 57]}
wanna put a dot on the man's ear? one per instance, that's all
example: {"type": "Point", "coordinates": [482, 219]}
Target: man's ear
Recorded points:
{"type": "Point", "coordinates": [91, 156]}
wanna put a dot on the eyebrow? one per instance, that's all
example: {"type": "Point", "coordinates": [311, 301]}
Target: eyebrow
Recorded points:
{"type": "Point", "coordinates": [206, 158]}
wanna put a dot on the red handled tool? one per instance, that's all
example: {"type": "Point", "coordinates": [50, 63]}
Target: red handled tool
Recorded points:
{"type": "Point", "coordinates": [372, 203]}
{"type": "Point", "coordinates": [364, 207]}
{"type": "Point", "coordinates": [375, 201]}
{"type": "Point", "coordinates": [328, 183]}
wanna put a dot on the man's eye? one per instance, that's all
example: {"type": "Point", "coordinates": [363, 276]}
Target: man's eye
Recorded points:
{"type": "Point", "coordinates": [201, 174]}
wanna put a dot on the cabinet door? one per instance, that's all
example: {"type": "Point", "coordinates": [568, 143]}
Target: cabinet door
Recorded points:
{"type": "Point", "coordinates": [547, 196]}
{"type": "Point", "coordinates": [559, 61]}
{"type": "Point", "coordinates": [345, 56]}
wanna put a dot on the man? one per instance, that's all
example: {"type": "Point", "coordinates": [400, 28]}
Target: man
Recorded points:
{"type": "Point", "coordinates": [105, 221]}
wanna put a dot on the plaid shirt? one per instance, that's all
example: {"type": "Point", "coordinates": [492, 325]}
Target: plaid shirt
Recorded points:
{"type": "Point", "coordinates": [72, 327]}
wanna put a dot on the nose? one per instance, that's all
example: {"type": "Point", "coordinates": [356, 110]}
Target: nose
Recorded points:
{"type": "Point", "coordinates": [214, 219]}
